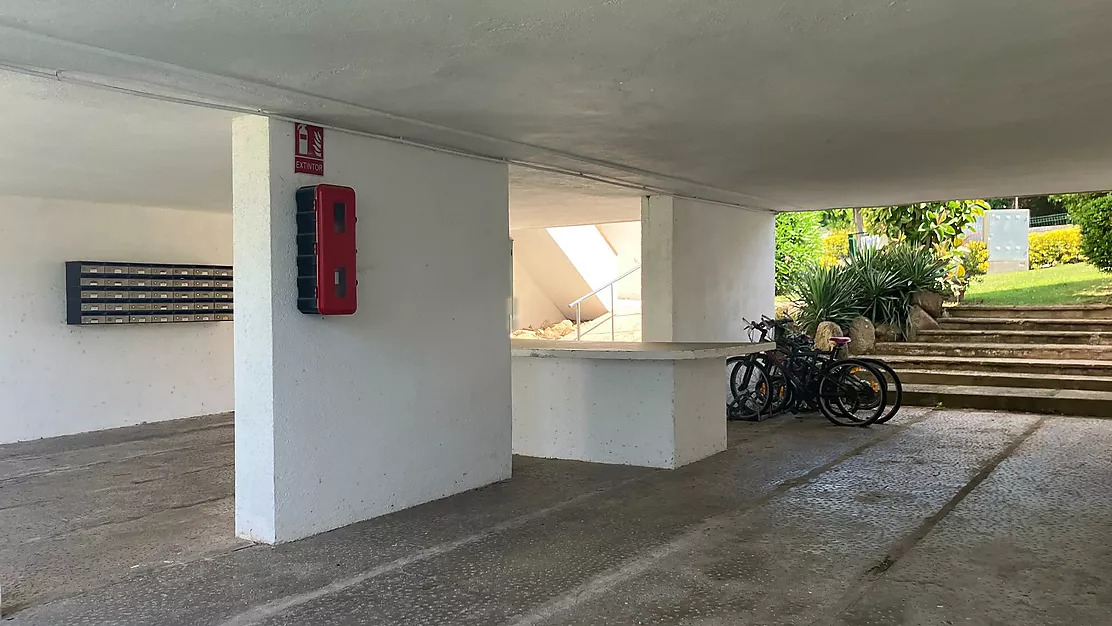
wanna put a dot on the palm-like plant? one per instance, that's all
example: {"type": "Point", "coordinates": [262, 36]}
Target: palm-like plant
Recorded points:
{"type": "Point", "coordinates": [827, 294]}
{"type": "Point", "coordinates": [876, 283]}
{"type": "Point", "coordinates": [918, 267]}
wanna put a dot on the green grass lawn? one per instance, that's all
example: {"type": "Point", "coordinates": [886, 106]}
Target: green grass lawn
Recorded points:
{"type": "Point", "coordinates": [1064, 284]}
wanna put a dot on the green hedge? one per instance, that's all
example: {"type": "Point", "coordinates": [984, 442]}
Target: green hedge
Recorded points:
{"type": "Point", "coordinates": [835, 247]}
{"type": "Point", "coordinates": [1054, 247]}
{"type": "Point", "coordinates": [1093, 213]}
{"type": "Point", "coordinates": [798, 247]}
{"type": "Point", "coordinates": [976, 261]}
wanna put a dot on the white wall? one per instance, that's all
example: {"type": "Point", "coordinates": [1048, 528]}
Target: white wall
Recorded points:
{"type": "Point", "coordinates": [57, 379]}
{"type": "Point", "coordinates": [706, 268]}
{"type": "Point", "coordinates": [625, 237]}
{"type": "Point", "coordinates": [345, 418]}
{"type": "Point", "coordinates": [591, 255]}
{"type": "Point", "coordinates": [553, 273]}
{"type": "Point", "coordinates": [532, 306]}
{"type": "Point", "coordinates": [655, 412]}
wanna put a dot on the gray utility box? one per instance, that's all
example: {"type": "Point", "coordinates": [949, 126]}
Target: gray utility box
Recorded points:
{"type": "Point", "coordinates": [1005, 235]}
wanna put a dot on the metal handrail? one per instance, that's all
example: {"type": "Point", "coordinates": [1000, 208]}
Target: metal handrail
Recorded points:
{"type": "Point", "coordinates": [579, 301]}
{"type": "Point", "coordinates": [578, 304]}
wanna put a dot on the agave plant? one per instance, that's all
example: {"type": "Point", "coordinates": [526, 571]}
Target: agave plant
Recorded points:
{"type": "Point", "coordinates": [827, 294]}
{"type": "Point", "coordinates": [876, 283]}
{"type": "Point", "coordinates": [882, 296]}
{"type": "Point", "coordinates": [918, 267]}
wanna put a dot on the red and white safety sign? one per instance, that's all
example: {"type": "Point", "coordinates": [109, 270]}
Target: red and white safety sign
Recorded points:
{"type": "Point", "coordinates": [308, 149]}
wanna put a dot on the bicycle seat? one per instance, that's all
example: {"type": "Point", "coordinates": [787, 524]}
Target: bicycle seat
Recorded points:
{"type": "Point", "coordinates": [840, 341]}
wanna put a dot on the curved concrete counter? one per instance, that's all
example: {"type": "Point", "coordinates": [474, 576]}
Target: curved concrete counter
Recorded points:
{"type": "Point", "coordinates": [648, 404]}
{"type": "Point", "coordinates": [631, 351]}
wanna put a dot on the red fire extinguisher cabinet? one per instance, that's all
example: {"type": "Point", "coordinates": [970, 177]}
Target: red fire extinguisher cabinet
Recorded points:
{"type": "Point", "coordinates": [326, 252]}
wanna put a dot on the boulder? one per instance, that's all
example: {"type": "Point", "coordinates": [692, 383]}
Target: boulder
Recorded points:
{"type": "Point", "coordinates": [918, 320]}
{"type": "Point", "coordinates": [929, 301]}
{"type": "Point", "coordinates": [887, 332]}
{"type": "Point", "coordinates": [863, 334]}
{"type": "Point", "coordinates": [824, 332]}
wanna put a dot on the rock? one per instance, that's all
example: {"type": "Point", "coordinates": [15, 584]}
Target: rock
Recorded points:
{"type": "Point", "coordinates": [824, 332]}
{"type": "Point", "coordinates": [929, 301]}
{"type": "Point", "coordinates": [863, 334]}
{"type": "Point", "coordinates": [887, 332]}
{"type": "Point", "coordinates": [918, 320]}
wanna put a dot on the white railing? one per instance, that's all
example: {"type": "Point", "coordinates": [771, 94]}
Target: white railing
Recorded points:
{"type": "Point", "coordinates": [578, 304]}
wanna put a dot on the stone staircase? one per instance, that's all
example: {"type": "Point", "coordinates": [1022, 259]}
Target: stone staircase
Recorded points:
{"type": "Point", "coordinates": [1042, 359]}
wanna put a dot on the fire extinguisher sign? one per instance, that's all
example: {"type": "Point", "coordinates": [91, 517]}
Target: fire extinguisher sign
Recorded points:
{"type": "Point", "coordinates": [308, 149]}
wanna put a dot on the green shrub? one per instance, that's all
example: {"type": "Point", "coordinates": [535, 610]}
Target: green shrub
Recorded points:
{"type": "Point", "coordinates": [917, 267]}
{"type": "Point", "coordinates": [881, 294]}
{"type": "Point", "coordinates": [875, 283]}
{"type": "Point", "coordinates": [826, 294]}
{"type": "Point", "coordinates": [1093, 213]}
{"type": "Point", "coordinates": [1055, 247]}
{"type": "Point", "coordinates": [976, 260]}
{"type": "Point", "coordinates": [940, 226]}
{"type": "Point", "coordinates": [798, 247]}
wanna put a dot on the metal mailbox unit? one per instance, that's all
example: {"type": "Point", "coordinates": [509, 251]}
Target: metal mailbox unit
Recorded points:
{"type": "Point", "coordinates": [103, 292]}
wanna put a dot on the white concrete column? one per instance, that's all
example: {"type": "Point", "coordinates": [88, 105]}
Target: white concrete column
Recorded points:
{"type": "Point", "coordinates": [705, 267]}
{"type": "Point", "coordinates": [341, 419]}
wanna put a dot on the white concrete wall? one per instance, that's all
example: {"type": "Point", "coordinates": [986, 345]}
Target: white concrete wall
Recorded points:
{"type": "Point", "coordinates": [625, 237]}
{"type": "Point", "coordinates": [706, 268]}
{"type": "Point", "coordinates": [57, 379]}
{"type": "Point", "coordinates": [652, 413]}
{"type": "Point", "coordinates": [602, 411]}
{"type": "Point", "coordinates": [532, 306]}
{"type": "Point", "coordinates": [591, 255]}
{"type": "Point", "coordinates": [700, 424]}
{"type": "Point", "coordinates": [342, 419]}
{"type": "Point", "coordinates": [553, 273]}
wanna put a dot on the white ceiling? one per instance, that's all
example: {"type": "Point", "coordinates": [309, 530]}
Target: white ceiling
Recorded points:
{"type": "Point", "coordinates": [540, 199]}
{"type": "Point", "coordinates": [79, 143]}
{"type": "Point", "coordinates": [76, 142]}
{"type": "Point", "coordinates": [763, 103]}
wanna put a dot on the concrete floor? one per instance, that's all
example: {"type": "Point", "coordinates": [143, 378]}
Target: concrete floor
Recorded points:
{"type": "Point", "coordinates": [946, 517]}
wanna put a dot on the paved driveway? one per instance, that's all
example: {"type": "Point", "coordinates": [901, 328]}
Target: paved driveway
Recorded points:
{"type": "Point", "coordinates": [944, 517]}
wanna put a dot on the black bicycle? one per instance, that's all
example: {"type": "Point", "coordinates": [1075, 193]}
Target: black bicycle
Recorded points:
{"type": "Point", "coordinates": [797, 377]}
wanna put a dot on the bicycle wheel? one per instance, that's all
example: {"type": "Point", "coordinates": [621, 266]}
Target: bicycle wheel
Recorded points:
{"type": "Point", "coordinates": [781, 386]}
{"type": "Point", "coordinates": [803, 383]}
{"type": "Point", "coordinates": [852, 393]}
{"type": "Point", "coordinates": [895, 389]}
{"type": "Point", "coordinates": [751, 390]}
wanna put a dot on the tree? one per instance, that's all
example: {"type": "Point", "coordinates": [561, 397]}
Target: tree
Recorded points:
{"type": "Point", "coordinates": [1093, 213]}
{"type": "Point", "coordinates": [836, 219]}
{"type": "Point", "coordinates": [1035, 205]}
{"type": "Point", "coordinates": [939, 226]}
{"type": "Point", "coordinates": [798, 247]}
{"type": "Point", "coordinates": [932, 224]}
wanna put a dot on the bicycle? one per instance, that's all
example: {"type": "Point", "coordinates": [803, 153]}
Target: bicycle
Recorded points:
{"type": "Point", "coordinates": [848, 392]}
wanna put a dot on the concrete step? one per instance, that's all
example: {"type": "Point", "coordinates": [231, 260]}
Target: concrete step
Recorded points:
{"type": "Point", "coordinates": [1062, 311]}
{"type": "Point", "coordinates": [1004, 379]}
{"type": "Point", "coordinates": [1048, 324]}
{"type": "Point", "coordinates": [996, 350]}
{"type": "Point", "coordinates": [1056, 401]}
{"type": "Point", "coordinates": [1078, 337]}
{"type": "Point", "coordinates": [1047, 367]}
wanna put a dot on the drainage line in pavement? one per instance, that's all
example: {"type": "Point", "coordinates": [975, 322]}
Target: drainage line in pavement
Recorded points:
{"type": "Point", "coordinates": [909, 542]}
{"type": "Point", "coordinates": [637, 565]}
{"type": "Point", "coordinates": [905, 545]}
